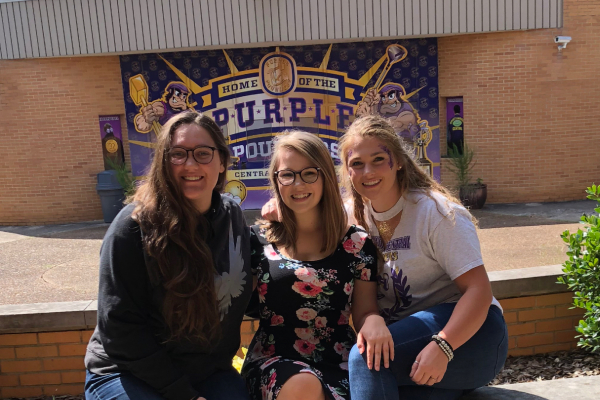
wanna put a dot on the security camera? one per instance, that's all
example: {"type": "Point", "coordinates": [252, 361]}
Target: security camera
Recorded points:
{"type": "Point", "coordinates": [562, 41]}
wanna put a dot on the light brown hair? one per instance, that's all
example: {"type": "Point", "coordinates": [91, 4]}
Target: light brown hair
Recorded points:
{"type": "Point", "coordinates": [333, 215]}
{"type": "Point", "coordinates": [409, 177]}
{"type": "Point", "coordinates": [175, 233]}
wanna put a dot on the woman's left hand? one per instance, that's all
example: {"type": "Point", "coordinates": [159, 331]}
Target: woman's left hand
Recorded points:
{"type": "Point", "coordinates": [379, 342]}
{"type": "Point", "coordinates": [430, 365]}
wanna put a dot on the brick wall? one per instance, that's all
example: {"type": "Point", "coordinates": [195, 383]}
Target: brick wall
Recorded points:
{"type": "Point", "coordinates": [34, 364]}
{"type": "Point", "coordinates": [49, 363]}
{"type": "Point", "coordinates": [530, 114]}
{"type": "Point", "coordinates": [530, 110]}
{"type": "Point", "coordinates": [51, 150]}
{"type": "Point", "coordinates": [541, 324]}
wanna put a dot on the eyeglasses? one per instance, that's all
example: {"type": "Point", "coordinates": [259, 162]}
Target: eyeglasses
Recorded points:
{"type": "Point", "coordinates": [287, 177]}
{"type": "Point", "coordinates": [202, 154]}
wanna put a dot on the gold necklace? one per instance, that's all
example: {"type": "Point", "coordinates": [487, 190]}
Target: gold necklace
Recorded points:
{"type": "Point", "coordinates": [387, 221]}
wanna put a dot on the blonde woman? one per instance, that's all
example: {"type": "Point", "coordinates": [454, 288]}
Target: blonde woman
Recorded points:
{"type": "Point", "coordinates": [448, 331]}
{"type": "Point", "coordinates": [314, 271]}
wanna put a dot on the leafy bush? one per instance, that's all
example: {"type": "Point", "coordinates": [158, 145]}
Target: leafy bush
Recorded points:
{"type": "Point", "coordinates": [582, 274]}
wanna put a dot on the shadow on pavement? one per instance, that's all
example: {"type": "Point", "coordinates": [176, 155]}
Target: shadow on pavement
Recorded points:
{"type": "Point", "coordinates": [488, 220]}
{"type": "Point", "coordinates": [497, 393]}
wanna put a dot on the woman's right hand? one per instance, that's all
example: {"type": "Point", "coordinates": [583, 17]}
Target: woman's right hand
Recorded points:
{"type": "Point", "coordinates": [270, 211]}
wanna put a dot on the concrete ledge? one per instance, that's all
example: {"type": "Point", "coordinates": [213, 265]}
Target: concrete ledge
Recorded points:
{"type": "Point", "coordinates": [44, 317]}
{"type": "Point", "coordinates": [527, 282]}
{"type": "Point", "coordinates": [75, 315]}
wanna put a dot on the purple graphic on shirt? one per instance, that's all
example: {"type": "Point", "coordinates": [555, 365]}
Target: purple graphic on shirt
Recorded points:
{"type": "Point", "coordinates": [401, 243]}
{"type": "Point", "coordinates": [401, 293]}
{"type": "Point", "coordinates": [389, 153]}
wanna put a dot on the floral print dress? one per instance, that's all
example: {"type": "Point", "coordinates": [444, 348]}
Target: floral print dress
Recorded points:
{"type": "Point", "coordinates": [304, 315]}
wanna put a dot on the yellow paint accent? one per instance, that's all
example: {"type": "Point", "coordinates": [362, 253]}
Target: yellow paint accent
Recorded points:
{"type": "Point", "coordinates": [411, 94]}
{"type": "Point", "coordinates": [143, 144]}
{"type": "Point", "coordinates": [326, 58]}
{"type": "Point", "coordinates": [259, 188]}
{"type": "Point", "coordinates": [206, 100]}
{"type": "Point", "coordinates": [328, 137]}
{"type": "Point", "coordinates": [369, 74]}
{"type": "Point", "coordinates": [232, 66]}
{"type": "Point", "coordinates": [350, 93]}
{"type": "Point", "coordinates": [434, 127]}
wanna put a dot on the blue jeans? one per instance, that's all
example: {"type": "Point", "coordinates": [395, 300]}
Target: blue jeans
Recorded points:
{"type": "Point", "coordinates": [475, 363]}
{"type": "Point", "coordinates": [223, 385]}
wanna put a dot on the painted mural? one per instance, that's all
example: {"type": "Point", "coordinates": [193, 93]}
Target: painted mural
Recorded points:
{"type": "Point", "coordinates": [255, 94]}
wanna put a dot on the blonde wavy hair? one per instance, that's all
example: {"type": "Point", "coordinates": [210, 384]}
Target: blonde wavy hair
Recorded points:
{"type": "Point", "coordinates": [333, 215]}
{"type": "Point", "coordinates": [409, 177]}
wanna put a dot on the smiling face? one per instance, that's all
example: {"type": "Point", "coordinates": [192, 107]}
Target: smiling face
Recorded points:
{"type": "Point", "coordinates": [372, 170]}
{"type": "Point", "coordinates": [300, 197]}
{"type": "Point", "coordinates": [197, 181]}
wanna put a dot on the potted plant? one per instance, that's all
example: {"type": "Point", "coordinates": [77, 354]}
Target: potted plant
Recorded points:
{"type": "Point", "coordinates": [472, 195]}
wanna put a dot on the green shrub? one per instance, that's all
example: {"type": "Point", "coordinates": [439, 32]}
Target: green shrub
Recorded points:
{"type": "Point", "coordinates": [126, 180]}
{"type": "Point", "coordinates": [582, 274]}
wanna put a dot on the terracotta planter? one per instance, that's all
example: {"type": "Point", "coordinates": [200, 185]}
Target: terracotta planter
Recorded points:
{"type": "Point", "coordinates": [473, 196]}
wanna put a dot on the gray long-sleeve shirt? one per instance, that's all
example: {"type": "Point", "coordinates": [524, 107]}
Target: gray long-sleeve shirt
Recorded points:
{"type": "Point", "coordinates": [131, 334]}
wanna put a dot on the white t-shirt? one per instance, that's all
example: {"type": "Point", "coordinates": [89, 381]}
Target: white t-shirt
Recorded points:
{"type": "Point", "coordinates": [434, 243]}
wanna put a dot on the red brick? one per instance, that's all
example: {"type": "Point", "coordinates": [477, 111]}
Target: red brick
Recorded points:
{"type": "Point", "coordinates": [532, 315]}
{"type": "Point", "coordinates": [21, 392]}
{"type": "Point", "coordinates": [72, 350]}
{"type": "Point", "coordinates": [7, 353]}
{"type": "Point", "coordinates": [554, 325]}
{"type": "Point", "coordinates": [9, 380]}
{"type": "Point", "coordinates": [517, 303]}
{"type": "Point", "coordinates": [521, 329]}
{"type": "Point", "coordinates": [554, 299]}
{"type": "Point", "coordinates": [510, 317]}
{"type": "Point", "coordinates": [512, 342]}
{"type": "Point", "coordinates": [61, 364]}
{"type": "Point", "coordinates": [565, 336]}
{"type": "Point", "coordinates": [37, 352]}
{"type": "Point", "coordinates": [535, 340]}
{"type": "Point", "coordinates": [565, 311]}
{"type": "Point", "coordinates": [20, 366]}
{"type": "Point", "coordinates": [86, 335]}
{"type": "Point", "coordinates": [73, 377]}
{"type": "Point", "coordinates": [45, 378]}
{"type": "Point", "coordinates": [60, 337]}
{"type": "Point", "coordinates": [18, 339]}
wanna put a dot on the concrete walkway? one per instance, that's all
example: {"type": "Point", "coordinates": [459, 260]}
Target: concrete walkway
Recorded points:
{"type": "Point", "coordinates": [582, 388]}
{"type": "Point", "coordinates": [60, 262]}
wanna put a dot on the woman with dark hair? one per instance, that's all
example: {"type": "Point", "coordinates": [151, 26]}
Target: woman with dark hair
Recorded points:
{"type": "Point", "coordinates": [175, 278]}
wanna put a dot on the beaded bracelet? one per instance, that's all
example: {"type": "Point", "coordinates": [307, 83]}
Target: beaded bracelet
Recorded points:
{"type": "Point", "coordinates": [444, 345]}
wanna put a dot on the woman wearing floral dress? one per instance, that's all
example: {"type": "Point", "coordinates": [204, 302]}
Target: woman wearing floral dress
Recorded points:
{"type": "Point", "coordinates": [314, 272]}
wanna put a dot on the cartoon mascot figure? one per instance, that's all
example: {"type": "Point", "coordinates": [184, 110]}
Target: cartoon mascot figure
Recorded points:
{"type": "Point", "coordinates": [175, 100]}
{"type": "Point", "coordinates": [390, 104]}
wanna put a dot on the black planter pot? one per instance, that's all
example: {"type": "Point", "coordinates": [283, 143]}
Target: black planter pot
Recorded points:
{"type": "Point", "coordinates": [473, 196]}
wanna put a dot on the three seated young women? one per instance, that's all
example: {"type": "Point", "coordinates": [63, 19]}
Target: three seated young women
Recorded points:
{"type": "Point", "coordinates": [177, 267]}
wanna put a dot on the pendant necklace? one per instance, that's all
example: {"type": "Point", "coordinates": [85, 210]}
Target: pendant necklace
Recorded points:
{"type": "Point", "coordinates": [387, 221]}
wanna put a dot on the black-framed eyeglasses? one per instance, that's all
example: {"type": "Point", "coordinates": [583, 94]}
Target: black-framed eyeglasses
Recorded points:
{"type": "Point", "coordinates": [202, 154]}
{"type": "Point", "coordinates": [287, 177]}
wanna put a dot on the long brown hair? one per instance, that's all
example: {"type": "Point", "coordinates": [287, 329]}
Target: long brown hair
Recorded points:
{"type": "Point", "coordinates": [333, 215]}
{"type": "Point", "coordinates": [409, 177]}
{"type": "Point", "coordinates": [175, 233]}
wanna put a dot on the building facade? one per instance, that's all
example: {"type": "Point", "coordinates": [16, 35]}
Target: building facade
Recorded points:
{"type": "Point", "coordinates": [259, 67]}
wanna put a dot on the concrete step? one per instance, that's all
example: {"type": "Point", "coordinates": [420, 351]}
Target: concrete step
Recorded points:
{"type": "Point", "coordinates": [583, 388]}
